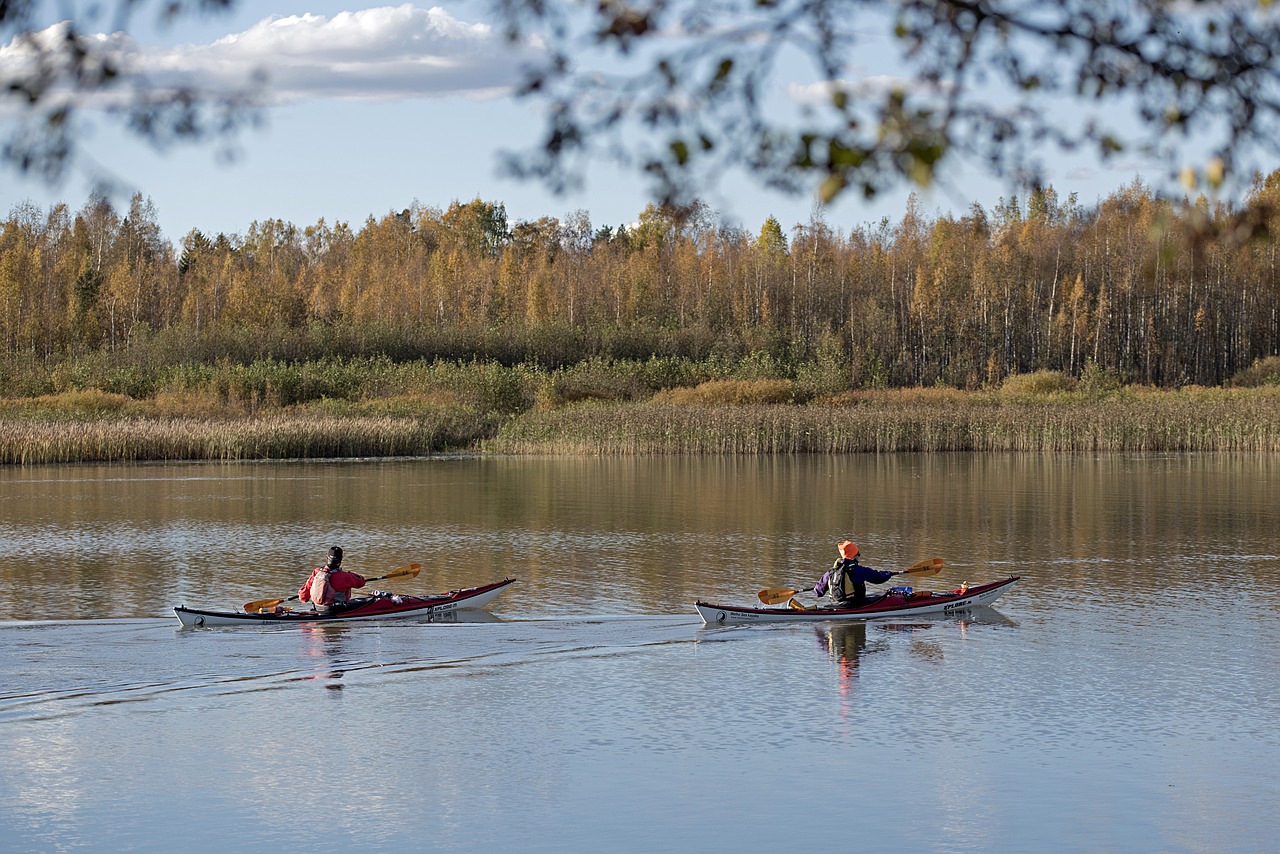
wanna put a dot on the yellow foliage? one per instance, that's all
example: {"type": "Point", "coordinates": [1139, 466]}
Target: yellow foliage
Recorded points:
{"type": "Point", "coordinates": [187, 404]}
{"type": "Point", "coordinates": [922, 395]}
{"type": "Point", "coordinates": [734, 392]}
{"type": "Point", "coordinates": [1036, 384]}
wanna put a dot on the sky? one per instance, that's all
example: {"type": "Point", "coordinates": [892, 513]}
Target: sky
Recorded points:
{"type": "Point", "coordinates": [376, 107]}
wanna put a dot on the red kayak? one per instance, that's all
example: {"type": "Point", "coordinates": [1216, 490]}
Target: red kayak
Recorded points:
{"type": "Point", "coordinates": [384, 607]}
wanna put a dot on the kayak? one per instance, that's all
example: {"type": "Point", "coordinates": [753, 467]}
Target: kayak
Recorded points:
{"type": "Point", "coordinates": [439, 607]}
{"type": "Point", "coordinates": [892, 604]}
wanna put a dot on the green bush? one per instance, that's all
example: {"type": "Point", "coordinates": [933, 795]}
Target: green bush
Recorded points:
{"type": "Point", "coordinates": [486, 387]}
{"type": "Point", "coordinates": [1098, 382]}
{"type": "Point", "coordinates": [594, 379]}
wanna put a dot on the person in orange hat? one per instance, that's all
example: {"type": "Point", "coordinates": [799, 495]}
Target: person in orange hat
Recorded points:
{"type": "Point", "coordinates": [845, 584]}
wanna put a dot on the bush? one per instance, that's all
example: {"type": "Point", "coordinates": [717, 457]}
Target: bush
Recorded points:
{"type": "Point", "coordinates": [594, 379]}
{"type": "Point", "coordinates": [1261, 372]}
{"type": "Point", "coordinates": [1037, 384]}
{"type": "Point", "coordinates": [663, 372]}
{"type": "Point", "coordinates": [486, 387]}
{"type": "Point", "coordinates": [761, 365]}
{"type": "Point", "coordinates": [734, 392]}
{"type": "Point", "coordinates": [1098, 382]}
{"type": "Point", "coordinates": [87, 403]}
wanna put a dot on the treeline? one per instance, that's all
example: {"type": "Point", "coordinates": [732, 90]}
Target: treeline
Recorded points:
{"type": "Point", "coordinates": [1135, 288]}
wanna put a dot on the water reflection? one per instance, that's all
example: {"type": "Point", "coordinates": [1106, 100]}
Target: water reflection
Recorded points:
{"type": "Point", "coordinates": [850, 645]}
{"type": "Point", "coordinates": [633, 536]}
{"type": "Point", "coordinates": [984, 616]}
{"type": "Point", "coordinates": [846, 644]}
{"type": "Point", "coordinates": [325, 644]}
{"type": "Point", "coordinates": [1005, 731]}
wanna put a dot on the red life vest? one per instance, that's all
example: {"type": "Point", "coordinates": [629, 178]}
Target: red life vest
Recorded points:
{"type": "Point", "coordinates": [322, 592]}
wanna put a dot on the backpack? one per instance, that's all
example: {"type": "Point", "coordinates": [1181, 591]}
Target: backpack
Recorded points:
{"type": "Point", "coordinates": [839, 588]}
{"type": "Point", "coordinates": [322, 592]}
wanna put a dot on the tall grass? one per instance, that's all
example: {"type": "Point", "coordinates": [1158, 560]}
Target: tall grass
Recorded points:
{"type": "Point", "coordinates": [1163, 421]}
{"type": "Point", "coordinates": [281, 436]}
{"type": "Point", "coordinates": [375, 407]}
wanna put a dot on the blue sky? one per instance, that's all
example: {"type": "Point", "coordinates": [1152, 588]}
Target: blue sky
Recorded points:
{"type": "Point", "coordinates": [353, 133]}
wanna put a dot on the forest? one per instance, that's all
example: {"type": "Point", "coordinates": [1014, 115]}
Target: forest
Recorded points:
{"type": "Point", "coordinates": [1146, 291]}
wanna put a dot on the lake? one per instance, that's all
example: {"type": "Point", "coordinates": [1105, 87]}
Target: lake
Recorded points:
{"type": "Point", "coordinates": [1121, 697]}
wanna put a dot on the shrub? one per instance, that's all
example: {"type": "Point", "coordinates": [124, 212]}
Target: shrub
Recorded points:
{"type": "Point", "coordinates": [1098, 382]}
{"type": "Point", "coordinates": [594, 379]}
{"type": "Point", "coordinates": [188, 404]}
{"type": "Point", "coordinates": [87, 403]}
{"type": "Point", "coordinates": [486, 387]}
{"type": "Point", "coordinates": [761, 365]}
{"type": "Point", "coordinates": [1261, 372]}
{"type": "Point", "coordinates": [1036, 384]}
{"type": "Point", "coordinates": [734, 392]}
{"type": "Point", "coordinates": [662, 372]}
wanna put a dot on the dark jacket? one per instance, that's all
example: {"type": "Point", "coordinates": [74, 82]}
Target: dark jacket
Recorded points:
{"type": "Point", "coordinates": [857, 577]}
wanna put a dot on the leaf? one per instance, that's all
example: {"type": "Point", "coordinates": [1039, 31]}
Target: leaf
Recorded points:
{"type": "Point", "coordinates": [833, 186]}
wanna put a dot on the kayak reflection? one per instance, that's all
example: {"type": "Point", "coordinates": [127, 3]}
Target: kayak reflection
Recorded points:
{"type": "Point", "coordinates": [847, 644]}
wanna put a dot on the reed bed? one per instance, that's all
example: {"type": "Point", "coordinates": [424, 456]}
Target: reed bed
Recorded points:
{"type": "Point", "coordinates": [282, 436]}
{"type": "Point", "coordinates": [1160, 422]}
{"type": "Point", "coordinates": [113, 428]}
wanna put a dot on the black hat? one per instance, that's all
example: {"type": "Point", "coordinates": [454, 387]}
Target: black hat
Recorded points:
{"type": "Point", "coordinates": [335, 556]}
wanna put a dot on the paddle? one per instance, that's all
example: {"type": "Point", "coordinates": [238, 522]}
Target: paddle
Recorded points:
{"type": "Point", "coordinates": [410, 571]}
{"type": "Point", "coordinates": [778, 595]}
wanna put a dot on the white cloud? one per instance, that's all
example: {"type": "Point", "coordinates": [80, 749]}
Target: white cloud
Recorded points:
{"type": "Point", "coordinates": [385, 53]}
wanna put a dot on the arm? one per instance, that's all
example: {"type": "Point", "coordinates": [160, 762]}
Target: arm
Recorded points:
{"type": "Point", "coordinates": [304, 592]}
{"type": "Point", "coordinates": [874, 576]}
{"type": "Point", "coordinates": [346, 581]}
{"type": "Point", "coordinates": [879, 576]}
{"type": "Point", "coordinates": [820, 589]}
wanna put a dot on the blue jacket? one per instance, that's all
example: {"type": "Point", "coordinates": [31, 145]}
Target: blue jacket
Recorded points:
{"type": "Point", "coordinates": [857, 573]}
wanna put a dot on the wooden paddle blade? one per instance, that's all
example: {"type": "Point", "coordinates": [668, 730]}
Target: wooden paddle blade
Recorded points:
{"type": "Point", "coordinates": [795, 605]}
{"type": "Point", "coordinates": [255, 607]}
{"type": "Point", "coordinates": [776, 595]}
{"type": "Point", "coordinates": [932, 566]}
{"type": "Point", "coordinates": [410, 571]}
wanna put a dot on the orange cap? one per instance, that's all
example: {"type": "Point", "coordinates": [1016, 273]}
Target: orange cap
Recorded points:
{"type": "Point", "coordinates": [848, 550]}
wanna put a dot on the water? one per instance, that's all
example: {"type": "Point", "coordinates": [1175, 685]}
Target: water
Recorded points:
{"type": "Point", "coordinates": [1121, 697]}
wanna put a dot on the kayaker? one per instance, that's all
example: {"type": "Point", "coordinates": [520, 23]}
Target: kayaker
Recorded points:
{"type": "Point", "coordinates": [329, 587]}
{"type": "Point", "coordinates": [845, 584]}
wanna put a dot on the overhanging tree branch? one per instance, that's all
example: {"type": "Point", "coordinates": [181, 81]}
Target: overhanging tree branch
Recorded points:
{"type": "Point", "coordinates": [1010, 84]}
{"type": "Point", "coordinates": [50, 76]}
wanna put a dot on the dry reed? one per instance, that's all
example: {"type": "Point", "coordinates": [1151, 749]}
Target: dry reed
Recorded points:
{"type": "Point", "coordinates": [35, 442]}
{"type": "Point", "coordinates": [1234, 420]}
{"type": "Point", "coordinates": [1159, 422]}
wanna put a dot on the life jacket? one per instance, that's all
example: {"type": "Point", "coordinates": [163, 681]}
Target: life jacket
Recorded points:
{"type": "Point", "coordinates": [322, 592]}
{"type": "Point", "coordinates": [839, 587]}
